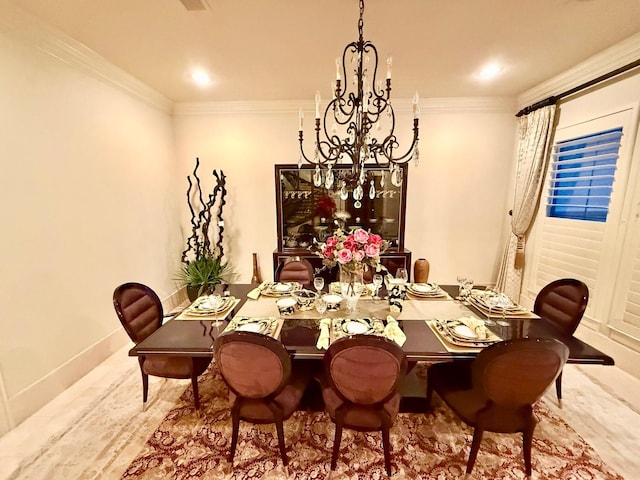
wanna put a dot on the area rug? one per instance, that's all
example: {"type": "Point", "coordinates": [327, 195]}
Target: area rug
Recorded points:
{"type": "Point", "coordinates": [190, 445]}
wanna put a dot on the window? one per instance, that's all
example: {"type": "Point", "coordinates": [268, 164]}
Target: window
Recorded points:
{"type": "Point", "coordinates": [582, 174]}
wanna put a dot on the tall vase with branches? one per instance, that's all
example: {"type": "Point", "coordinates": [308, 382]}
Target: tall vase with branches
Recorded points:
{"type": "Point", "coordinates": [203, 266]}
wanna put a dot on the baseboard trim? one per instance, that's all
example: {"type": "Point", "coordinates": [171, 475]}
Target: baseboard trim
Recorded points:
{"type": "Point", "coordinates": [31, 399]}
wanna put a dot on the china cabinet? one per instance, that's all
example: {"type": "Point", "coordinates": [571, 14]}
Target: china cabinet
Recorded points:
{"type": "Point", "coordinates": [309, 209]}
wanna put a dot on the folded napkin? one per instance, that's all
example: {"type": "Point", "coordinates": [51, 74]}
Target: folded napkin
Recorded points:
{"type": "Point", "coordinates": [255, 293]}
{"type": "Point", "coordinates": [323, 339]}
{"type": "Point", "coordinates": [476, 325]}
{"type": "Point", "coordinates": [393, 332]}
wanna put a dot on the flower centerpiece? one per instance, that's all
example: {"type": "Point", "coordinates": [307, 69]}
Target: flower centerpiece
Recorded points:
{"type": "Point", "coordinates": [354, 253]}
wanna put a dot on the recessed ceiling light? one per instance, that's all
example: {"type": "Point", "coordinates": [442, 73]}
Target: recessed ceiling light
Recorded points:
{"type": "Point", "coordinates": [201, 78]}
{"type": "Point", "coordinates": [490, 71]}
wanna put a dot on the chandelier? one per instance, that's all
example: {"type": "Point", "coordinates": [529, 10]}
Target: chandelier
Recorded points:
{"type": "Point", "coordinates": [356, 115]}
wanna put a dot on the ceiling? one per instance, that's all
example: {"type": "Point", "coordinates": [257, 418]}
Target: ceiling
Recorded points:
{"type": "Point", "coordinates": [286, 49]}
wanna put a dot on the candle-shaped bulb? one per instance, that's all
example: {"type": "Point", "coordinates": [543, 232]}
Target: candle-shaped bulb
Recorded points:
{"type": "Point", "coordinates": [337, 69]}
{"type": "Point", "coordinates": [318, 104]}
{"type": "Point", "coordinates": [416, 105]}
{"type": "Point", "coordinates": [389, 62]}
{"type": "Point", "coordinates": [300, 117]}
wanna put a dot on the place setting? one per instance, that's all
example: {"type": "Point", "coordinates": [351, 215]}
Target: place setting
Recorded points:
{"type": "Point", "coordinates": [280, 289]}
{"type": "Point", "coordinates": [343, 327]}
{"type": "Point", "coordinates": [269, 326]}
{"type": "Point", "coordinates": [498, 305]}
{"type": "Point", "coordinates": [426, 290]}
{"type": "Point", "coordinates": [463, 332]}
{"type": "Point", "coordinates": [215, 307]}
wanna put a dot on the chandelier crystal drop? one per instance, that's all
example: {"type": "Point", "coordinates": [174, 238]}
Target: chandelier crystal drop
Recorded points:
{"type": "Point", "coordinates": [346, 131]}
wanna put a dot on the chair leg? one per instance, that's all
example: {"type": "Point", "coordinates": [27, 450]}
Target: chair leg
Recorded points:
{"type": "Point", "coordinates": [527, 440]}
{"type": "Point", "coordinates": [386, 447]}
{"type": "Point", "coordinates": [196, 395]}
{"type": "Point", "coordinates": [145, 381]}
{"type": "Point", "coordinates": [475, 446]}
{"type": "Point", "coordinates": [235, 428]}
{"type": "Point", "coordinates": [429, 394]}
{"type": "Point", "coordinates": [280, 430]}
{"type": "Point", "coordinates": [336, 446]}
{"type": "Point", "coordinates": [559, 386]}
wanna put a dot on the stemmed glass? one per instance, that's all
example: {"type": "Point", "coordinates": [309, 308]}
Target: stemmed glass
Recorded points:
{"type": "Point", "coordinates": [462, 280]}
{"type": "Point", "coordinates": [402, 275]}
{"type": "Point", "coordinates": [377, 281]}
{"type": "Point", "coordinates": [321, 305]}
{"type": "Point", "coordinates": [318, 282]}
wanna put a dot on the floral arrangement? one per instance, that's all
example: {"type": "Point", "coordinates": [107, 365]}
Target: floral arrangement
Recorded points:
{"type": "Point", "coordinates": [355, 251]}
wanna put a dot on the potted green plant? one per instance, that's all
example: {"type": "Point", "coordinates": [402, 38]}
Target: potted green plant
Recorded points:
{"type": "Point", "coordinates": [203, 265]}
{"type": "Point", "coordinates": [201, 275]}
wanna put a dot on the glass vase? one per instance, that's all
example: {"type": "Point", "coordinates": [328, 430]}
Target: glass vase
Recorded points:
{"type": "Point", "coordinates": [351, 285]}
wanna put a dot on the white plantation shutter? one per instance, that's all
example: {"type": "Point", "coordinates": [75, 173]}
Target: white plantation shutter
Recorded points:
{"type": "Point", "coordinates": [578, 243]}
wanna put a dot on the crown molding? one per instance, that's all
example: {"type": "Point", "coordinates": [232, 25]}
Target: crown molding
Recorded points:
{"type": "Point", "coordinates": [291, 107]}
{"type": "Point", "coordinates": [37, 34]}
{"type": "Point", "coordinates": [617, 56]}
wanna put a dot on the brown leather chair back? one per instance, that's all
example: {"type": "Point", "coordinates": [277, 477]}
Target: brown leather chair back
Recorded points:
{"type": "Point", "coordinates": [365, 369]}
{"type": "Point", "coordinates": [296, 270]}
{"type": "Point", "coordinates": [252, 365]}
{"type": "Point", "coordinates": [562, 303]}
{"type": "Point", "coordinates": [139, 310]}
{"type": "Point", "coordinates": [516, 373]}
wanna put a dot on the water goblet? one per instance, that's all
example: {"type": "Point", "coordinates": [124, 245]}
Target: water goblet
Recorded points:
{"type": "Point", "coordinates": [402, 275]}
{"type": "Point", "coordinates": [468, 287]}
{"type": "Point", "coordinates": [461, 282]}
{"type": "Point", "coordinates": [318, 282]}
{"type": "Point", "coordinates": [377, 281]}
{"type": "Point", "coordinates": [321, 305]}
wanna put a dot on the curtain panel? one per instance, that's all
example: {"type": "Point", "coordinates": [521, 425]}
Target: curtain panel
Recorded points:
{"type": "Point", "coordinates": [532, 155]}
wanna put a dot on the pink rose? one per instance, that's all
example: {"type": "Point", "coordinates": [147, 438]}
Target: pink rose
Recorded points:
{"type": "Point", "coordinates": [375, 239]}
{"type": "Point", "coordinates": [331, 242]}
{"type": "Point", "coordinates": [372, 250]}
{"type": "Point", "coordinates": [349, 243]}
{"type": "Point", "coordinates": [345, 255]}
{"type": "Point", "coordinates": [360, 236]}
{"type": "Point", "coordinates": [358, 255]}
{"type": "Point", "coordinates": [328, 252]}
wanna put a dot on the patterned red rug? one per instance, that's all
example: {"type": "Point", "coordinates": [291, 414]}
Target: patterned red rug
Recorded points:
{"type": "Point", "coordinates": [432, 446]}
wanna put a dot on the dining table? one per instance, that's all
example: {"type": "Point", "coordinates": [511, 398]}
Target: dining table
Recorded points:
{"type": "Point", "coordinates": [191, 334]}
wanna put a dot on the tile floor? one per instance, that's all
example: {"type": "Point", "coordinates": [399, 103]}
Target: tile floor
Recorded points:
{"type": "Point", "coordinates": [601, 403]}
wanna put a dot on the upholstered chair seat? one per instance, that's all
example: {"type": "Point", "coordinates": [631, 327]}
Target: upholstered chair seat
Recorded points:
{"type": "Point", "coordinates": [562, 303]}
{"type": "Point", "coordinates": [497, 390]}
{"type": "Point", "coordinates": [360, 387]}
{"type": "Point", "coordinates": [140, 311]}
{"type": "Point", "coordinates": [263, 387]}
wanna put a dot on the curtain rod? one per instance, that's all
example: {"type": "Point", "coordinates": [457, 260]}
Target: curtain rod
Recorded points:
{"type": "Point", "coordinates": [554, 98]}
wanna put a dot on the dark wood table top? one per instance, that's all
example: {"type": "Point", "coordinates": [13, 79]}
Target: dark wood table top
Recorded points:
{"type": "Point", "coordinates": [195, 338]}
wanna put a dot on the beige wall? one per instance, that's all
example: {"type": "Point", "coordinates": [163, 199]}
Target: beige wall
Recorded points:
{"type": "Point", "coordinates": [456, 202]}
{"type": "Point", "coordinates": [88, 201]}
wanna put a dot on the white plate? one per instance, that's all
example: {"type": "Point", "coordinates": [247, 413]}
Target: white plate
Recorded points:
{"type": "Point", "coordinates": [281, 287]}
{"type": "Point", "coordinates": [465, 332]}
{"type": "Point", "coordinates": [255, 327]}
{"type": "Point", "coordinates": [355, 328]}
{"type": "Point", "coordinates": [422, 287]}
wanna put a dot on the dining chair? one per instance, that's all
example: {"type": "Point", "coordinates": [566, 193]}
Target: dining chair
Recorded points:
{"type": "Point", "coordinates": [140, 312]}
{"type": "Point", "coordinates": [263, 386]}
{"type": "Point", "coordinates": [296, 269]}
{"type": "Point", "coordinates": [497, 390]}
{"type": "Point", "coordinates": [360, 387]}
{"type": "Point", "coordinates": [562, 303]}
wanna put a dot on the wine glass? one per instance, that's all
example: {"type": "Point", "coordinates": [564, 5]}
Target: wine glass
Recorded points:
{"type": "Point", "coordinates": [318, 282]}
{"type": "Point", "coordinates": [402, 275]}
{"type": "Point", "coordinates": [377, 281]}
{"type": "Point", "coordinates": [462, 280]}
{"type": "Point", "coordinates": [321, 305]}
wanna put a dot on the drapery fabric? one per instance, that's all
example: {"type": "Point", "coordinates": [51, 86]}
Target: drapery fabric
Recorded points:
{"type": "Point", "coordinates": [535, 130]}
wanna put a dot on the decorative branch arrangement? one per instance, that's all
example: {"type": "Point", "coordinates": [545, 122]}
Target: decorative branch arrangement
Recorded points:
{"type": "Point", "coordinates": [199, 244]}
